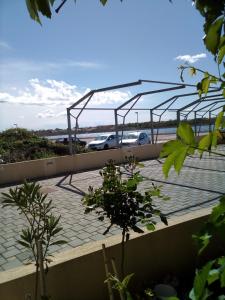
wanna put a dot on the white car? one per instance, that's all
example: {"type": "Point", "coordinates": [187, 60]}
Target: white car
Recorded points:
{"type": "Point", "coordinates": [135, 138]}
{"type": "Point", "coordinates": [103, 142]}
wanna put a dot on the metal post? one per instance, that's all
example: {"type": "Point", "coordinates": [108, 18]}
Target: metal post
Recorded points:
{"type": "Point", "coordinates": [136, 112]}
{"type": "Point", "coordinates": [69, 132]}
{"type": "Point", "coordinates": [74, 149]}
{"type": "Point", "coordinates": [152, 127]}
{"type": "Point", "coordinates": [210, 119]}
{"type": "Point", "coordinates": [178, 120]}
{"type": "Point", "coordinates": [116, 128]}
{"type": "Point", "coordinates": [195, 122]}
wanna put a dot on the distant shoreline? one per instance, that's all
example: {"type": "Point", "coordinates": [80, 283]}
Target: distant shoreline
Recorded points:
{"type": "Point", "coordinates": [127, 127]}
{"type": "Point", "coordinates": [162, 134]}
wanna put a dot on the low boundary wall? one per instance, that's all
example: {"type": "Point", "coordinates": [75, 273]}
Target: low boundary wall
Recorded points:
{"type": "Point", "coordinates": [44, 168]}
{"type": "Point", "coordinates": [79, 273]}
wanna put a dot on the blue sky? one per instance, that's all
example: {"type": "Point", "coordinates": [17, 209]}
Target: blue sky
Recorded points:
{"type": "Point", "coordinates": [44, 69]}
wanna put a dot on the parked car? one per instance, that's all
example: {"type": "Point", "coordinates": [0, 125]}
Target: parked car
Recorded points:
{"type": "Point", "coordinates": [105, 141]}
{"type": "Point", "coordinates": [135, 138]}
{"type": "Point", "coordinates": [65, 141]}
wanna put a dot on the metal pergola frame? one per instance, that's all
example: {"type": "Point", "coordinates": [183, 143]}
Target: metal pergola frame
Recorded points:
{"type": "Point", "coordinates": [207, 109]}
{"type": "Point", "coordinates": [128, 105]}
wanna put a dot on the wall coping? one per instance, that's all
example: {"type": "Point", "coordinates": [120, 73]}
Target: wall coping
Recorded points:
{"type": "Point", "coordinates": [96, 246]}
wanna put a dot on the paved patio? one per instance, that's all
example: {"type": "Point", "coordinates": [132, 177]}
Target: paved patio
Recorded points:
{"type": "Point", "coordinates": [199, 185]}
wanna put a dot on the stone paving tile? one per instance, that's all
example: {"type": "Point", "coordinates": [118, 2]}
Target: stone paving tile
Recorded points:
{"type": "Point", "coordinates": [24, 255]}
{"type": "Point", "coordinates": [11, 264]}
{"type": "Point", "coordinates": [75, 242]}
{"type": "Point", "coordinates": [199, 185]}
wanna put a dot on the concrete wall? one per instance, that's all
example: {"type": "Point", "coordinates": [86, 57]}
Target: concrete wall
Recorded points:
{"type": "Point", "coordinates": [17, 172]}
{"type": "Point", "coordinates": [79, 273]}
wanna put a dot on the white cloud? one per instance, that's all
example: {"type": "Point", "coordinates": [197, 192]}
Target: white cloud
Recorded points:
{"type": "Point", "coordinates": [5, 45]}
{"type": "Point", "coordinates": [56, 96]}
{"type": "Point", "coordinates": [49, 113]}
{"type": "Point", "coordinates": [48, 93]}
{"type": "Point", "coordinates": [110, 97]}
{"type": "Point", "coordinates": [190, 58]}
{"type": "Point", "coordinates": [46, 114]}
{"type": "Point", "coordinates": [10, 66]}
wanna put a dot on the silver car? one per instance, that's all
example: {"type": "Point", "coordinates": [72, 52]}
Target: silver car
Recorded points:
{"type": "Point", "coordinates": [135, 138]}
{"type": "Point", "coordinates": [103, 142]}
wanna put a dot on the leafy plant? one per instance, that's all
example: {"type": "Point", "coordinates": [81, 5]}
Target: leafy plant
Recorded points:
{"type": "Point", "coordinates": [131, 164]}
{"type": "Point", "coordinates": [121, 286]}
{"type": "Point", "coordinates": [44, 7]}
{"type": "Point", "coordinates": [119, 201]}
{"type": "Point", "coordinates": [176, 152]}
{"type": "Point", "coordinates": [213, 272]}
{"type": "Point", "coordinates": [42, 229]}
{"type": "Point", "coordinates": [19, 144]}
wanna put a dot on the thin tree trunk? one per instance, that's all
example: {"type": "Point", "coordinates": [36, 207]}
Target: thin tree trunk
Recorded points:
{"type": "Point", "coordinates": [122, 297]}
{"type": "Point", "coordinates": [36, 281]}
{"type": "Point", "coordinates": [111, 297]}
{"type": "Point", "coordinates": [42, 273]}
{"type": "Point", "coordinates": [122, 254]}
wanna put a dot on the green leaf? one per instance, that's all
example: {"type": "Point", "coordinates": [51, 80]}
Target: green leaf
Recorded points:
{"type": "Point", "coordinates": [199, 88]}
{"type": "Point", "coordinates": [137, 229]}
{"type": "Point", "coordinates": [205, 143]}
{"type": "Point", "coordinates": [163, 219]}
{"type": "Point", "coordinates": [44, 7]}
{"type": "Point", "coordinates": [219, 120]}
{"type": "Point", "coordinates": [212, 38]}
{"type": "Point", "coordinates": [222, 278]}
{"type": "Point", "coordinates": [221, 261]}
{"type": "Point", "coordinates": [176, 151]}
{"type": "Point", "coordinates": [205, 84]}
{"type": "Point", "coordinates": [224, 93]}
{"type": "Point", "coordinates": [213, 79]}
{"type": "Point", "coordinates": [193, 71]}
{"type": "Point", "coordinates": [103, 2]}
{"type": "Point", "coordinates": [61, 242]}
{"type": "Point", "coordinates": [169, 162]}
{"type": "Point", "coordinates": [214, 138]}
{"type": "Point", "coordinates": [192, 294]}
{"type": "Point", "coordinates": [218, 211]}
{"type": "Point", "coordinates": [26, 245]}
{"type": "Point", "coordinates": [221, 54]}
{"type": "Point", "coordinates": [132, 183]}
{"type": "Point", "coordinates": [214, 275]}
{"type": "Point", "coordinates": [128, 296]}
{"type": "Point", "coordinates": [186, 133]}
{"type": "Point", "coordinates": [202, 240]}
{"type": "Point", "coordinates": [169, 147]}
{"type": "Point", "coordinates": [32, 9]}
{"type": "Point", "coordinates": [179, 159]}
{"type": "Point", "coordinates": [140, 165]}
{"type": "Point", "coordinates": [127, 279]}
{"type": "Point", "coordinates": [56, 230]}
{"type": "Point", "coordinates": [150, 227]}
{"type": "Point", "coordinates": [201, 277]}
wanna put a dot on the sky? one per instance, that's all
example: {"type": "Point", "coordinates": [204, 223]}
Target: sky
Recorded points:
{"type": "Point", "coordinates": [45, 69]}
